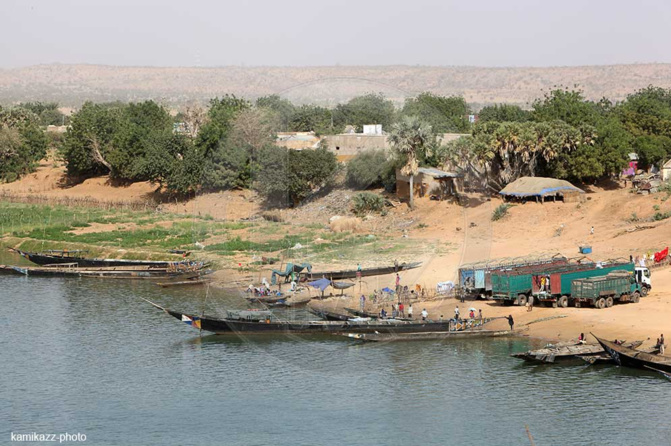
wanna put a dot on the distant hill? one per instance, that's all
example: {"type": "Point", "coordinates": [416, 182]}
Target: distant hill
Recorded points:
{"type": "Point", "coordinates": [71, 85]}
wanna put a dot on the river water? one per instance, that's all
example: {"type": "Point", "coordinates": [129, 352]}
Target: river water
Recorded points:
{"type": "Point", "coordinates": [88, 356]}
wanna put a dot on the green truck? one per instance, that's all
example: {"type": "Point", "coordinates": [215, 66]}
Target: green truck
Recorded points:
{"type": "Point", "coordinates": [603, 291]}
{"type": "Point", "coordinates": [553, 284]}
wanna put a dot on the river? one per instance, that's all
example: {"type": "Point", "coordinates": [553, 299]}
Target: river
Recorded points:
{"type": "Point", "coordinates": [88, 356]}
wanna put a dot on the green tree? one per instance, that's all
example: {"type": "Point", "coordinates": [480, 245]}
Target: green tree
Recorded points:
{"type": "Point", "coordinates": [408, 139]}
{"type": "Point", "coordinates": [88, 141]}
{"type": "Point", "coordinates": [652, 150]}
{"type": "Point", "coordinates": [647, 112]}
{"type": "Point", "coordinates": [290, 176]}
{"type": "Point", "coordinates": [371, 168]}
{"type": "Point", "coordinates": [140, 126]}
{"type": "Point", "coordinates": [174, 162]}
{"type": "Point", "coordinates": [566, 105]}
{"type": "Point", "coordinates": [221, 115]}
{"type": "Point", "coordinates": [368, 109]}
{"type": "Point", "coordinates": [282, 108]}
{"type": "Point", "coordinates": [312, 118]}
{"type": "Point", "coordinates": [47, 112]}
{"type": "Point", "coordinates": [22, 143]}
{"type": "Point", "coordinates": [443, 114]}
{"type": "Point", "coordinates": [504, 113]}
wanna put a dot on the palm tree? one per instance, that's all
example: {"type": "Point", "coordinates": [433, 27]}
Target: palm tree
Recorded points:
{"type": "Point", "coordinates": [407, 138]}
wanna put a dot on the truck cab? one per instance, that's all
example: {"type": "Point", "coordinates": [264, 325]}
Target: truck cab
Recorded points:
{"type": "Point", "coordinates": [642, 275]}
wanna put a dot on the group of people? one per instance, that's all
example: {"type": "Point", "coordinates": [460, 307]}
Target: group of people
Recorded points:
{"type": "Point", "coordinates": [397, 310]}
{"type": "Point", "coordinates": [261, 290]}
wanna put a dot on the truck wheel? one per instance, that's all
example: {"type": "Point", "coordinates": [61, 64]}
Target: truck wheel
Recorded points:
{"type": "Point", "coordinates": [636, 297]}
{"type": "Point", "coordinates": [600, 303]}
{"type": "Point", "coordinates": [609, 301]}
{"type": "Point", "coordinates": [521, 300]}
{"type": "Point", "coordinates": [644, 291]}
{"type": "Point", "coordinates": [562, 301]}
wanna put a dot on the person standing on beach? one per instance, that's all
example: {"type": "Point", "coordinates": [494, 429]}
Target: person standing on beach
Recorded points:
{"type": "Point", "coordinates": [362, 302]}
{"type": "Point", "coordinates": [398, 283]}
{"type": "Point", "coordinates": [425, 314]}
{"type": "Point", "coordinates": [480, 315]}
{"type": "Point", "coordinates": [661, 344]}
{"type": "Point", "coordinates": [591, 231]}
{"type": "Point", "coordinates": [410, 311]}
{"type": "Point", "coordinates": [511, 321]}
{"type": "Point", "coordinates": [401, 309]}
{"type": "Point", "coordinates": [456, 312]}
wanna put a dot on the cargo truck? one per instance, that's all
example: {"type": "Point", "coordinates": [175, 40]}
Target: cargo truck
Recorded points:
{"type": "Point", "coordinates": [553, 285]}
{"type": "Point", "coordinates": [603, 291]}
{"type": "Point", "coordinates": [475, 278]}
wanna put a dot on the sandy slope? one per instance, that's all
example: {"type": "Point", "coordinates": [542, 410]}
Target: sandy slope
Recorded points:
{"type": "Point", "coordinates": [471, 235]}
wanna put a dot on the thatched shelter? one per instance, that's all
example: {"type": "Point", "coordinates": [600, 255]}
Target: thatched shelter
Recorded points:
{"type": "Point", "coordinates": [541, 189]}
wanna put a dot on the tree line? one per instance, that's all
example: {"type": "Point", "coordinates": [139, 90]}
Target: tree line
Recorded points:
{"type": "Point", "coordinates": [231, 142]}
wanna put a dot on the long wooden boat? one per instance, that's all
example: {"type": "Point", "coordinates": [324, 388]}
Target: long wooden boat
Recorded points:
{"type": "Point", "coordinates": [425, 336]}
{"type": "Point", "coordinates": [270, 325]}
{"type": "Point", "coordinates": [629, 357]}
{"type": "Point", "coordinates": [329, 315]}
{"type": "Point", "coordinates": [565, 353]}
{"type": "Point", "coordinates": [365, 272]}
{"type": "Point", "coordinates": [101, 272]}
{"type": "Point", "coordinates": [56, 257]}
{"type": "Point", "coordinates": [187, 282]}
{"type": "Point", "coordinates": [270, 299]}
{"type": "Point", "coordinates": [605, 358]}
{"type": "Point", "coordinates": [661, 372]}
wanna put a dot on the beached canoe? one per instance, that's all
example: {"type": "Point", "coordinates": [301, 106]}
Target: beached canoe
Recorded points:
{"type": "Point", "coordinates": [565, 353]}
{"type": "Point", "coordinates": [365, 272]}
{"type": "Point", "coordinates": [183, 283]}
{"type": "Point", "coordinates": [266, 323]}
{"type": "Point", "coordinates": [424, 336]}
{"type": "Point", "coordinates": [629, 357]}
{"type": "Point", "coordinates": [59, 257]}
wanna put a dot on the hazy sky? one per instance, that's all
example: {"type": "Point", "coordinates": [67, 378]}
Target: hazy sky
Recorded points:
{"type": "Point", "coordinates": [346, 32]}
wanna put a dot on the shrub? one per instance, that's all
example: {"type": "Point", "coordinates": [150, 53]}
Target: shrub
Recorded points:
{"type": "Point", "coordinates": [500, 211]}
{"type": "Point", "coordinates": [661, 216]}
{"type": "Point", "coordinates": [365, 202]}
{"type": "Point", "coordinates": [371, 168]}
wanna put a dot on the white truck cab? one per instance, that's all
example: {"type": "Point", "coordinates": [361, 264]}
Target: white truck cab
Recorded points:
{"type": "Point", "coordinates": [642, 274]}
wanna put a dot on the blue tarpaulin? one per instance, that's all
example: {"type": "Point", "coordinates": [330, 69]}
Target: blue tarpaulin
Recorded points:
{"type": "Point", "coordinates": [321, 284]}
{"type": "Point", "coordinates": [387, 290]}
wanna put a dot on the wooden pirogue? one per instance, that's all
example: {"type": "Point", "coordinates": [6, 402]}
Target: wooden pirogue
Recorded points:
{"type": "Point", "coordinates": [119, 272]}
{"type": "Point", "coordinates": [565, 352]}
{"type": "Point", "coordinates": [64, 256]}
{"type": "Point", "coordinates": [264, 322]}
{"type": "Point", "coordinates": [625, 356]}
{"type": "Point", "coordinates": [425, 336]}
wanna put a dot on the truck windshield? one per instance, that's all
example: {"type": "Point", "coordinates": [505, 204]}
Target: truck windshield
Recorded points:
{"type": "Point", "coordinates": [646, 272]}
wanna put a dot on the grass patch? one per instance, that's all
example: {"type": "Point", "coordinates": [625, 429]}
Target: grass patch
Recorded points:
{"type": "Point", "coordinates": [500, 211]}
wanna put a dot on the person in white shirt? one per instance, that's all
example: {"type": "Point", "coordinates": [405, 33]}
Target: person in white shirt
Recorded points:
{"type": "Point", "coordinates": [456, 312]}
{"type": "Point", "coordinates": [424, 314]}
{"type": "Point", "coordinates": [410, 311]}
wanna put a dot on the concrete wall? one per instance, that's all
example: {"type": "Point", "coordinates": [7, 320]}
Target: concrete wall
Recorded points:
{"type": "Point", "coordinates": [348, 145]}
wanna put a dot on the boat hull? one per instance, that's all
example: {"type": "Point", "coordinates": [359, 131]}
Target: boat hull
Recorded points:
{"type": "Point", "coordinates": [231, 326]}
{"type": "Point", "coordinates": [628, 357]}
{"type": "Point", "coordinates": [44, 259]}
{"type": "Point", "coordinates": [366, 272]}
